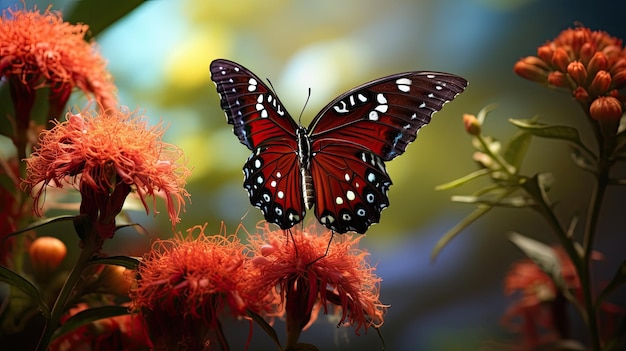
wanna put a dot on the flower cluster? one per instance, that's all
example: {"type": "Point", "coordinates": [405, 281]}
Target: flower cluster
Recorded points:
{"type": "Point", "coordinates": [590, 64]}
{"type": "Point", "coordinates": [185, 284]}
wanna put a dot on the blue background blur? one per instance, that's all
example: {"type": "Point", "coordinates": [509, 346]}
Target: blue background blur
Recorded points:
{"type": "Point", "coordinates": [159, 55]}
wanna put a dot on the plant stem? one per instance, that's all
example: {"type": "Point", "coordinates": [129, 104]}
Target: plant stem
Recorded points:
{"type": "Point", "coordinates": [66, 294]}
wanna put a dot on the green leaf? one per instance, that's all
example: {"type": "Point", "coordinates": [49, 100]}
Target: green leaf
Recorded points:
{"type": "Point", "coordinates": [512, 201]}
{"type": "Point", "coordinates": [452, 233]}
{"type": "Point", "coordinates": [515, 150]}
{"type": "Point", "coordinates": [98, 14]}
{"type": "Point", "coordinates": [40, 223]}
{"type": "Point", "coordinates": [538, 185]}
{"type": "Point", "coordinates": [460, 181]}
{"type": "Point", "coordinates": [124, 261]}
{"type": "Point", "coordinates": [138, 227]}
{"type": "Point", "coordinates": [543, 255]}
{"type": "Point", "coordinates": [88, 316]}
{"type": "Point", "coordinates": [618, 280]}
{"type": "Point", "coordinates": [16, 280]}
{"type": "Point", "coordinates": [265, 326]}
{"type": "Point", "coordinates": [552, 132]}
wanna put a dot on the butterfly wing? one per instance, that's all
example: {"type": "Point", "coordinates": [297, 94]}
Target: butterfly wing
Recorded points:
{"type": "Point", "coordinates": [356, 133]}
{"type": "Point", "coordinates": [250, 106]}
{"type": "Point", "coordinates": [271, 174]}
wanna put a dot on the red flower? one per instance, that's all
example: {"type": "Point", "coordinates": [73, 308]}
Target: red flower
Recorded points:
{"type": "Point", "coordinates": [41, 50]}
{"type": "Point", "coordinates": [124, 332]}
{"type": "Point", "coordinates": [540, 312]}
{"type": "Point", "coordinates": [108, 155]}
{"type": "Point", "coordinates": [185, 284]}
{"type": "Point", "coordinates": [307, 271]}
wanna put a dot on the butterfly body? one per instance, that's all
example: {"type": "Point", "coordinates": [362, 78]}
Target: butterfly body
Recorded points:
{"type": "Point", "coordinates": [336, 166]}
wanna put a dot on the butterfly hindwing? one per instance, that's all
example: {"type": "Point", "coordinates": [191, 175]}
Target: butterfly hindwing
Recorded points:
{"type": "Point", "coordinates": [274, 184]}
{"type": "Point", "coordinates": [351, 188]}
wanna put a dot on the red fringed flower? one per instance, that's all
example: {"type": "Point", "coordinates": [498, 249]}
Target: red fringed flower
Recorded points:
{"type": "Point", "coordinates": [108, 156]}
{"type": "Point", "coordinates": [308, 273]}
{"type": "Point", "coordinates": [184, 285]}
{"type": "Point", "coordinates": [41, 50]}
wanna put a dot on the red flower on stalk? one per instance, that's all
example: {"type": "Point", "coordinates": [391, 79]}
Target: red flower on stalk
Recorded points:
{"type": "Point", "coordinates": [41, 50]}
{"type": "Point", "coordinates": [184, 285]}
{"type": "Point", "coordinates": [590, 64]}
{"type": "Point", "coordinates": [540, 313]}
{"type": "Point", "coordinates": [310, 274]}
{"type": "Point", "coordinates": [108, 156]}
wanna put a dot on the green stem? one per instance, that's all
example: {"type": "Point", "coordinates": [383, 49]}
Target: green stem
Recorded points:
{"type": "Point", "coordinates": [510, 170]}
{"type": "Point", "coordinates": [90, 247]}
{"type": "Point", "coordinates": [595, 204]}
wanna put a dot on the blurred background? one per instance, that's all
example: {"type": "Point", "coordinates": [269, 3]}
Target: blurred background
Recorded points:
{"type": "Point", "coordinates": [159, 54]}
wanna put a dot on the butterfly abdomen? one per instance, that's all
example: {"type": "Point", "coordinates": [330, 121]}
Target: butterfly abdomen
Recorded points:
{"type": "Point", "coordinates": [304, 161]}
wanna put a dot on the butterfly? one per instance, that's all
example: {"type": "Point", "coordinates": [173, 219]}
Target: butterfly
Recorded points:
{"type": "Point", "coordinates": [337, 164]}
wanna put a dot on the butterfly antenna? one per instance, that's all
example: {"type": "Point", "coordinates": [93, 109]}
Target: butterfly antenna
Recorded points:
{"type": "Point", "coordinates": [303, 107]}
{"type": "Point", "coordinates": [332, 235]}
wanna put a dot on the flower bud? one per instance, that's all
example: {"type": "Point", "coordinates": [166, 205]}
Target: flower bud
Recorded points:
{"type": "Point", "coordinates": [532, 68]}
{"type": "Point", "coordinates": [578, 72]}
{"type": "Point", "coordinates": [46, 254]}
{"type": "Point", "coordinates": [472, 125]}
{"type": "Point", "coordinates": [560, 59]}
{"type": "Point", "coordinates": [606, 108]}
{"type": "Point", "coordinates": [619, 79]}
{"type": "Point", "coordinates": [586, 53]}
{"type": "Point", "coordinates": [545, 53]}
{"type": "Point", "coordinates": [599, 62]}
{"type": "Point", "coordinates": [600, 84]}
{"type": "Point", "coordinates": [580, 94]}
{"type": "Point", "coordinates": [558, 79]}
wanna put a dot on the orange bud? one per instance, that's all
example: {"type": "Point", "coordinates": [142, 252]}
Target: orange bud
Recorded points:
{"type": "Point", "coordinates": [545, 53]}
{"type": "Point", "coordinates": [598, 62]}
{"type": "Point", "coordinates": [606, 108]}
{"type": "Point", "coordinates": [561, 59]}
{"type": "Point", "coordinates": [619, 79]}
{"type": "Point", "coordinates": [600, 84]}
{"type": "Point", "coordinates": [586, 53]}
{"type": "Point", "coordinates": [472, 125]}
{"type": "Point", "coordinates": [558, 79]}
{"type": "Point", "coordinates": [532, 68]}
{"type": "Point", "coordinates": [578, 72]}
{"type": "Point", "coordinates": [580, 94]}
{"type": "Point", "coordinates": [46, 254]}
